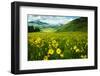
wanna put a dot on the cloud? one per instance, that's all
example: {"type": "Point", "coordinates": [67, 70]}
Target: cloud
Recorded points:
{"type": "Point", "coordinates": [54, 20]}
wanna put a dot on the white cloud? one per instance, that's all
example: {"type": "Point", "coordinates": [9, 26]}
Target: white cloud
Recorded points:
{"type": "Point", "coordinates": [51, 19]}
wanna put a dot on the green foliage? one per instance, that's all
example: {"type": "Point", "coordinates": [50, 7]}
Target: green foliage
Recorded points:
{"type": "Point", "coordinates": [61, 45]}
{"type": "Point", "coordinates": [33, 29]}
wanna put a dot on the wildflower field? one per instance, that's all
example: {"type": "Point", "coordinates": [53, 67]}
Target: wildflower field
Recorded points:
{"type": "Point", "coordinates": [57, 45]}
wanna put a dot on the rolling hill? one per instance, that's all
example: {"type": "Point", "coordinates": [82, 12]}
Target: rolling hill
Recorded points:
{"type": "Point", "coordinates": [79, 24]}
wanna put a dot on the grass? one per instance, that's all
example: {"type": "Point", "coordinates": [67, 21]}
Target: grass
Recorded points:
{"type": "Point", "coordinates": [48, 30]}
{"type": "Point", "coordinates": [61, 45]}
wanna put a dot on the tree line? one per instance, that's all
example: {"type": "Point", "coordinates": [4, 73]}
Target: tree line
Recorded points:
{"type": "Point", "coordinates": [33, 29]}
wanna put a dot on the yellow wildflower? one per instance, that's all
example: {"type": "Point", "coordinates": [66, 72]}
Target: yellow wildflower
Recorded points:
{"type": "Point", "coordinates": [49, 45]}
{"type": "Point", "coordinates": [77, 50]}
{"type": "Point", "coordinates": [38, 45]}
{"type": "Point", "coordinates": [55, 45]}
{"type": "Point", "coordinates": [45, 57]}
{"type": "Point", "coordinates": [50, 51]}
{"type": "Point", "coordinates": [58, 51]}
{"type": "Point", "coordinates": [38, 40]}
{"type": "Point", "coordinates": [83, 56]}
{"type": "Point", "coordinates": [62, 55]}
{"type": "Point", "coordinates": [53, 41]}
{"type": "Point", "coordinates": [75, 47]}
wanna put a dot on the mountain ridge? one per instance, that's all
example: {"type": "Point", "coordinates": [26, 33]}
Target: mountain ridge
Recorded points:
{"type": "Point", "coordinates": [79, 24]}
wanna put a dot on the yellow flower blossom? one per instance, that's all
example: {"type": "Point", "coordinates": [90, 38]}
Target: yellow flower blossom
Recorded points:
{"type": "Point", "coordinates": [62, 55]}
{"type": "Point", "coordinates": [45, 57]}
{"type": "Point", "coordinates": [55, 45]}
{"type": "Point", "coordinates": [74, 47]}
{"type": "Point", "coordinates": [53, 41]}
{"type": "Point", "coordinates": [77, 50]}
{"type": "Point", "coordinates": [83, 56]}
{"type": "Point", "coordinates": [38, 45]}
{"type": "Point", "coordinates": [38, 40]}
{"type": "Point", "coordinates": [58, 51]}
{"type": "Point", "coordinates": [49, 46]}
{"type": "Point", "coordinates": [50, 51]}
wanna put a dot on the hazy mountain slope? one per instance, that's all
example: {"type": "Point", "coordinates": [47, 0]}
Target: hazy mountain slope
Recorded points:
{"type": "Point", "coordinates": [79, 24]}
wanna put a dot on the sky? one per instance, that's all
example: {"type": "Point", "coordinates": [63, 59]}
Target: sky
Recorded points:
{"type": "Point", "coordinates": [50, 19]}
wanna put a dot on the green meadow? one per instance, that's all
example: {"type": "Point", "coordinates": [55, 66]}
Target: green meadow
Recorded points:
{"type": "Point", "coordinates": [69, 41]}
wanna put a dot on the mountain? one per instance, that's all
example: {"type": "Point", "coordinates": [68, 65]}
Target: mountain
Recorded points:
{"type": "Point", "coordinates": [38, 23]}
{"type": "Point", "coordinates": [41, 25]}
{"type": "Point", "coordinates": [79, 24]}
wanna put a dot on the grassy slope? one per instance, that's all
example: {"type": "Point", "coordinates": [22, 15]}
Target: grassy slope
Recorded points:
{"type": "Point", "coordinates": [79, 24]}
